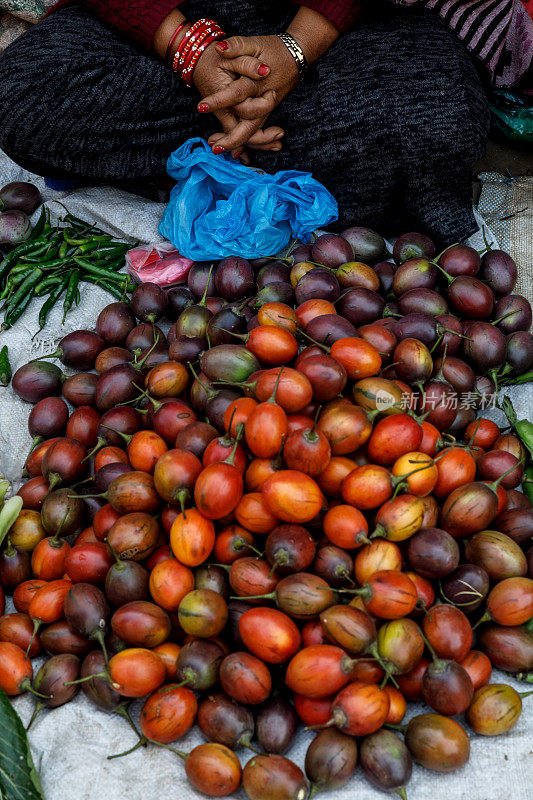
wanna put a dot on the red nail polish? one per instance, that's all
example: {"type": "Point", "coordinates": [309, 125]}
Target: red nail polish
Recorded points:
{"type": "Point", "coordinates": [222, 45]}
{"type": "Point", "coordinates": [238, 153]}
{"type": "Point", "coordinates": [203, 108]}
{"type": "Point", "coordinates": [263, 69]}
{"type": "Point", "coordinates": [218, 149]}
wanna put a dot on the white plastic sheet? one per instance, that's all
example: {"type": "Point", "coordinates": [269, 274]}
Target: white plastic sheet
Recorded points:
{"type": "Point", "coordinates": [70, 744]}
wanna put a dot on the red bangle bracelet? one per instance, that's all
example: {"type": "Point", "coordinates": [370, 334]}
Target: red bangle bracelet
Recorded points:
{"type": "Point", "coordinates": [173, 39]}
{"type": "Point", "coordinates": [199, 36]}
{"type": "Point", "coordinates": [198, 42]}
{"type": "Point", "coordinates": [194, 41]}
{"type": "Point", "coordinates": [192, 30]}
{"type": "Point", "coordinates": [188, 71]}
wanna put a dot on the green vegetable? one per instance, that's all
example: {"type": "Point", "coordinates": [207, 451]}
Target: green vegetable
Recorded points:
{"type": "Point", "coordinates": [21, 250]}
{"type": "Point", "coordinates": [112, 288]}
{"type": "Point", "coordinates": [526, 377]}
{"type": "Point", "coordinates": [523, 427]}
{"type": "Point", "coordinates": [16, 312]}
{"type": "Point", "coordinates": [47, 284]}
{"type": "Point", "coordinates": [4, 486]}
{"type": "Point", "coordinates": [26, 286]}
{"type": "Point", "coordinates": [19, 779]}
{"type": "Point", "coordinates": [527, 483]}
{"type": "Point", "coordinates": [35, 254]}
{"type": "Point", "coordinates": [39, 225]}
{"type": "Point", "coordinates": [100, 272]}
{"type": "Point", "coordinates": [70, 296]}
{"type": "Point", "coordinates": [5, 366]}
{"type": "Point", "coordinates": [48, 304]}
{"type": "Point", "coordinates": [8, 515]}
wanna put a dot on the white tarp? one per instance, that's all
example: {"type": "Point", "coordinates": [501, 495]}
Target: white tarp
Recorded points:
{"type": "Point", "coordinates": [70, 744]}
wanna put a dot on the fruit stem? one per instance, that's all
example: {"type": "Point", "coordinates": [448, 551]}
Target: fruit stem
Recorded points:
{"type": "Point", "coordinates": [401, 792]}
{"type": "Point", "coordinates": [400, 728]}
{"type": "Point", "coordinates": [88, 678]}
{"type": "Point", "coordinates": [323, 347]}
{"type": "Point", "coordinates": [126, 436]}
{"type": "Point", "coordinates": [272, 398]}
{"type": "Point", "coordinates": [494, 485]}
{"type": "Point", "coordinates": [122, 711]}
{"type": "Point", "coordinates": [379, 531]}
{"type": "Point", "coordinates": [38, 707]}
{"type": "Point", "coordinates": [446, 274]}
{"type": "Point", "coordinates": [243, 336]}
{"type": "Point", "coordinates": [139, 364]}
{"type": "Point", "coordinates": [58, 353]}
{"type": "Point", "coordinates": [270, 596]}
{"type": "Point", "coordinates": [253, 749]}
{"type": "Point", "coordinates": [30, 688]}
{"type": "Point", "coordinates": [210, 392]}
{"type": "Point", "coordinates": [36, 626]}
{"type": "Point", "coordinates": [328, 724]}
{"type": "Point", "coordinates": [525, 694]}
{"type": "Point", "coordinates": [101, 442]}
{"type": "Point", "coordinates": [99, 636]}
{"type": "Point", "coordinates": [143, 741]}
{"type": "Point", "coordinates": [430, 647]}
{"type": "Point", "coordinates": [204, 296]}
{"type": "Point", "coordinates": [501, 319]}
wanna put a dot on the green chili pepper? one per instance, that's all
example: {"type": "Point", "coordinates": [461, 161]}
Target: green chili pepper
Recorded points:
{"type": "Point", "coordinates": [111, 253]}
{"type": "Point", "coordinates": [39, 225]}
{"type": "Point", "coordinates": [99, 272]}
{"type": "Point", "coordinates": [56, 263]}
{"type": "Point", "coordinates": [50, 302]}
{"type": "Point", "coordinates": [70, 296]}
{"type": "Point", "coordinates": [86, 239]}
{"type": "Point", "coordinates": [78, 223]}
{"type": "Point", "coordinates": [20, 266]}
{"type": "Point", "coordinates": [16, 278]}
{"type": "Point", "coordinates": [5, 367]}
{"type": "Point", "coordinates": [526, 377]}
{"type": "Point", "coordinates": [63, 250]}
{"type": "Point", "coordinates": [111, 288]}
{"type": "Point", "coordinates": [114, 266]}
{"type": "Point", "coordinates": [20, 250]}
{"type": "Point", "coordinates": [26, 287]}
{"type": "Point", "coordinates": [35, 254]}
{"type": "Point", "coordinates": [16, 311]}
{"type": "Point", "coordinates": [44, 286]}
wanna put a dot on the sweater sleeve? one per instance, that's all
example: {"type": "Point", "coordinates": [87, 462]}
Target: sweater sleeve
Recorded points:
{"type": "Point", "coordinates": [136, 19]}
{"type": "Point", "coordinates": [343, 13]}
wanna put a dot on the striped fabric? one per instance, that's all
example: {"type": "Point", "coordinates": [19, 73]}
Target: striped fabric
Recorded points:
{"type": "Point", "coordinates": [498, 32]}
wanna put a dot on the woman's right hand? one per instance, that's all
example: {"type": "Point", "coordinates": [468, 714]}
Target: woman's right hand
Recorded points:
{"type": "Point", "coordinates": [243, 77]}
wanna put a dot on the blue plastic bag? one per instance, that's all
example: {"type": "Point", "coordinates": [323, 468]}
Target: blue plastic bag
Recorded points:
{"type": "Point", "coordinates": [220, 208]}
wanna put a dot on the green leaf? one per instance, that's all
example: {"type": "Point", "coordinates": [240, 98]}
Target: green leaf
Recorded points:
{"type": "Point", "coordinates": [19, 779]}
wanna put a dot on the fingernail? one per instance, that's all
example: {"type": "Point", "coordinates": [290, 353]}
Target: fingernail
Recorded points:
{"type": "Point", "coordinates": [263, 69]}
{"type": "Point", "coordinates": [238, 153]}
{"type": "Point", "coordinates": [279, 135]}
{"type": "Point", "coordinates": [218, 149]}
{"type": "Point", "coordinates": [222, 45]}
{"type": "Point", "coordinates": [203, 108]}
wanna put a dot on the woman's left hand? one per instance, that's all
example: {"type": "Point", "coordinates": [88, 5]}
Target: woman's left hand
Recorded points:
{"type": "Point", "coordinates": [252, 111]}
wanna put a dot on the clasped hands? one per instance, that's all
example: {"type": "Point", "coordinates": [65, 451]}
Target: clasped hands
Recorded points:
{"type": "Point", "coordinates": [241, 80]}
